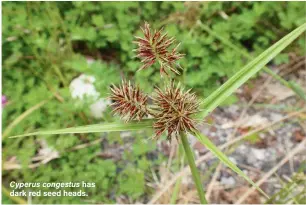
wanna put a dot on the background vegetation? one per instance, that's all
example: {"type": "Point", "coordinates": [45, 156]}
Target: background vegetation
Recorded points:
{"type": "Point", "coordinates": [47, 44]}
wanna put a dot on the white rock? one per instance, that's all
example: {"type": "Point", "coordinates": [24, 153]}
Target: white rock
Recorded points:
{"type": "Point", "coordinates": [229, 181]}
{"type": "Point", "coordinates": [258, 153]}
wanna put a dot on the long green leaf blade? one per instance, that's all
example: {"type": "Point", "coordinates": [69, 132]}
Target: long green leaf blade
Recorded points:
{"type": "Point", "coordinates": [212, 101]}
{"type": "Point", "coordinates": [106, 127]}
{"type": "Point", "coordinates": [223, 158]}
{"type": "Point", "coordinates": [297, 89]}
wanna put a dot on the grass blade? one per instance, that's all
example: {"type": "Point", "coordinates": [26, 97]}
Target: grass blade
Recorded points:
{"type": "Point", "coordinates": [24, 115]}
{"type": "Point", "coordinates": [176, 191]}
{"type": "Point", "coordinates": [16, 199]}
{"type": "Point", "coordinates": [212, 101]}
{"type": "Point", "coordinates": [106, 127]}
{"type": "Point", "coordinates": [223, 158]}
{"type": "Point", "coordinates": [297, 89]}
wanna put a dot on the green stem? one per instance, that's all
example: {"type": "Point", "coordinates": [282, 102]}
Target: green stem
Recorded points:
{"type": "Point", "coordinates": [193, 168]}
{"type": "Point", "coordinates": [176, 191]}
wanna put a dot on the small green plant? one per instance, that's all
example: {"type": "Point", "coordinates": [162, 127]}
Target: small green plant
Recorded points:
{"type": "Point", "coordinates": [174, 110]}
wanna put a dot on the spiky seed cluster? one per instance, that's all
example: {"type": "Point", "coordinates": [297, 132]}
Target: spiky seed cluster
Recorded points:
{"type": "Point", "coordinates": [155, 47]}
{"type": "Point", "coordinates": [174, 110]}
{"type": "Point", "coordinates": [129, 101]}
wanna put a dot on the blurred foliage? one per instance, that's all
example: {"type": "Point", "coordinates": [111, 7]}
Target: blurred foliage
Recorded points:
{"type": "Point", "coordinates": [293, 192]}
{"type": "Point", "coordinates": [47, 44]}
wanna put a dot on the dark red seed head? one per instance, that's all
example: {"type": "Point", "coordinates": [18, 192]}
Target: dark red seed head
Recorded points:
{"type": "Point", "coordinates": [128, 101]}
{"type": "Point", "coordinates": [174, 111]}
{"type": "Point", "coordinates": [155, 47]}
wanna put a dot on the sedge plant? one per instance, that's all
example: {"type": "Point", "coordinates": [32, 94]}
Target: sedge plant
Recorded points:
{"type": "Point", "coordinates": [174, 111]}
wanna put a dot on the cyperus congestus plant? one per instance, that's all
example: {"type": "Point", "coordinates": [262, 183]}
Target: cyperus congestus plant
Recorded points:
{"type": "Point", "coordinates": [173, 108]}
{"type": "Point", "coordinates": [155, 47]}
{"type": "Point", "coordinates": [209, 103]}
